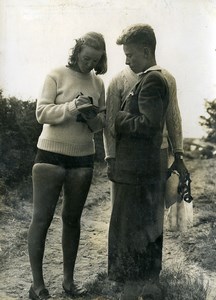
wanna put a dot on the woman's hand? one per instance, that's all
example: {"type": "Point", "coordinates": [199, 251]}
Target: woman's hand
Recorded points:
{"type": "Point", "coordinates": [83, 100]}
{"type": "Point", "coordinates": [86, 108]}
{"type": "Point", "coordinates": [92, 115]}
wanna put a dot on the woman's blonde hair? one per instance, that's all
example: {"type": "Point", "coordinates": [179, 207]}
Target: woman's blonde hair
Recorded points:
{"type": "Point", "coordinates": [94, 40]}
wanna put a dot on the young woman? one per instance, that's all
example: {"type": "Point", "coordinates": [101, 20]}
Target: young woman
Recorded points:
{"type": "Point", "coordinates": [71, 110]}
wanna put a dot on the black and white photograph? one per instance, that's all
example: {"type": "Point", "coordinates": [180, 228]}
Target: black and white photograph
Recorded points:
{"type": "Point", "coordinates": [108, 149]}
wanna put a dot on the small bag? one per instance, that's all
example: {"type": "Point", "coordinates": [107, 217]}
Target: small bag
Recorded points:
{"type": "Point", "coordinates": [171, 193]}
{"type": "Point", "coordinates": [178, 201]}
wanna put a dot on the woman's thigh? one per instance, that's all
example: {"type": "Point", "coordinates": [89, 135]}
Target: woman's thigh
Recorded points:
{"type": "Point", "coordinates": [76, 188]}
{"type": "Point", "coordinates": [47, 184]}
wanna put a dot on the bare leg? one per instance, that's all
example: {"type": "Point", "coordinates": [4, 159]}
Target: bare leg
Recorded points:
{"type": "Point", "coordinates": [47, 184]}
{"type": "Point", "coordinates": [76, 189]}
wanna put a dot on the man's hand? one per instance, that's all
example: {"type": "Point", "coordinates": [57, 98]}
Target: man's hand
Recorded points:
{"type": "Point", "coordinates": [179, 166]}
{"type": "Point", "coordinates": [184, 188]}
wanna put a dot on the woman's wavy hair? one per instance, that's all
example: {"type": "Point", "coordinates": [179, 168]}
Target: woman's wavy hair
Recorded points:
{"type": "Point", "coordinates": [94, 40]}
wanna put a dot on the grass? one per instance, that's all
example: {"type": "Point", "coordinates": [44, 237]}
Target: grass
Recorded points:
{"type": "Point", "coordinates": [176, 284]}
{"type": "Point", "coordinates": [181, 286]}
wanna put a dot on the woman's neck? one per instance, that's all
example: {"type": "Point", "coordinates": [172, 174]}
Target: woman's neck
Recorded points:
{"type": "Point", "coordinates": [76, 68]}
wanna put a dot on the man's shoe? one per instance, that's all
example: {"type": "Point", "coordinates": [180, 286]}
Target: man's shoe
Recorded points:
{"type": "Point", "coordinates": [152, 291]}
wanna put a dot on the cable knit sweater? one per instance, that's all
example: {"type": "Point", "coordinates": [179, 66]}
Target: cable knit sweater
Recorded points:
{"type": "Point", "coordinates": [119, 88]}
{"type": "Point", "coordinates": [57, 111]}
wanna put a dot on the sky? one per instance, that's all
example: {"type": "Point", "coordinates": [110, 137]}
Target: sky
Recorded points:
{"type": "Point", "coordinates": [36, 36]}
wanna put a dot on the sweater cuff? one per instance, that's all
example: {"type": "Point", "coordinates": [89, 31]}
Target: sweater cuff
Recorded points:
{"type": "Point", "coordinates": [72, 107]}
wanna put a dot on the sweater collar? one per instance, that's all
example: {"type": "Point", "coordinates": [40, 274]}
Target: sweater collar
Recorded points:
{"type": "Point", "coordinates": [80, 75]}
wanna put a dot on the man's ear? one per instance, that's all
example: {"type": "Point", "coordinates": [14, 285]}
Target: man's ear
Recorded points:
{"type": "Point", "coordinates": [146, 51]}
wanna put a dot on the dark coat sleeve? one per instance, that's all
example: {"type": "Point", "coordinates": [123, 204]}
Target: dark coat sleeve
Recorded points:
{"type": "Point", "coordinates": [148, 114]}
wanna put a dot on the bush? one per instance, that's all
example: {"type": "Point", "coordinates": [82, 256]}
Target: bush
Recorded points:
{"type": "Point", "coordinates": [209, 122]}
{"type": "Point", "coordinates": [19, 132]}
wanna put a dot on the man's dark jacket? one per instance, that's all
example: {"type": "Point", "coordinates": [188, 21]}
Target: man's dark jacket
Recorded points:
{"type": "Point", "coordinates": [139, 126]}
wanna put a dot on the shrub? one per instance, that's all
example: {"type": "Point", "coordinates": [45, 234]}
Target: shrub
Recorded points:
{"type": "Point", "coordinates": [209, 122]}
{"type": "Point", "coordinates": [19, 132]}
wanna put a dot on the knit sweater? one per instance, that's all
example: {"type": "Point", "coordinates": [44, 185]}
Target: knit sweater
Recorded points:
{"type": "Point", "coordinates": [118, 90]}
{"type": "Point", "coordinates": [56, 110]}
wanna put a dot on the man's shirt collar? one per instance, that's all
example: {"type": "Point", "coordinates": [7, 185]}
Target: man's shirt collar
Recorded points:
{"type": "Point", "coordinates": [153, 68]}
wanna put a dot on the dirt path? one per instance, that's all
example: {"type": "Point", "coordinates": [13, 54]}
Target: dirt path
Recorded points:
{"type": "Point", "coordinates": [15, 277]}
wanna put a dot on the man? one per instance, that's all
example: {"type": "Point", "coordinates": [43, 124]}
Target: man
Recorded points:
{"type": "Point", "coordinates": [133, 138]}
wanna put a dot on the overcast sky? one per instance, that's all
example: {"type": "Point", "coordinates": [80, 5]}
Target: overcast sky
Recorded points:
{"type": "Point", "coordinates": [35, 37]}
